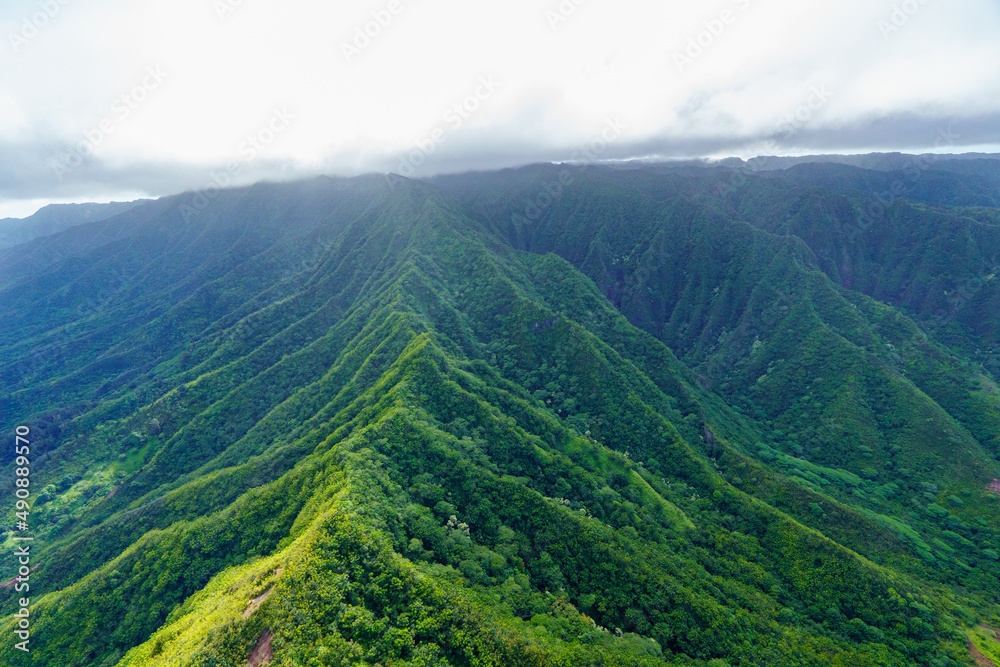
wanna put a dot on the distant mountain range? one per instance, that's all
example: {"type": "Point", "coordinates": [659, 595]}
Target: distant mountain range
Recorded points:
{"type": "Point", "coordinates": [872, 161]}
{"type": "Point", "coordinates": [631, 414]}
{"type": "Point", "coordinates": [57, 217]}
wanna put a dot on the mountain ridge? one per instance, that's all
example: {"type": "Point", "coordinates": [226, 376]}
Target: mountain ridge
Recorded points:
{"type": "Point", "coordinates": [464, 437]}
{"type": "Point", "coordinates": [55, 218]}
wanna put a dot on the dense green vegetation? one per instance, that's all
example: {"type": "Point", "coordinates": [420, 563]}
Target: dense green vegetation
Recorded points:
{"type": "Point", "coordinates": [684, 417]}
{"type": "Point", "coordinates": [57, 217]}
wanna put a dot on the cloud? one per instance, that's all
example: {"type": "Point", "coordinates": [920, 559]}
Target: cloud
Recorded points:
{"type": "Point", "coordinates": [368, 84]}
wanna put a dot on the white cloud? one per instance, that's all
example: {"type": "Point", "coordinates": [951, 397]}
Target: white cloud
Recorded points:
{"type": "Point", "coordinates": [756, 65]}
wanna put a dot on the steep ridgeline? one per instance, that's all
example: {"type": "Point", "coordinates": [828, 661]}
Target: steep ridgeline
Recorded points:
{"type": "Point", "coordinates": [355, 421]}
{"type": "Point", "coordinates": [56, 218]}
{"type": "Point", "coordinates": [930, 179]}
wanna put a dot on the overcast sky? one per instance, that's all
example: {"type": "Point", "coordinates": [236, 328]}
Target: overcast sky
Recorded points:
{"type": "Point", "coordinates": [116, 99]}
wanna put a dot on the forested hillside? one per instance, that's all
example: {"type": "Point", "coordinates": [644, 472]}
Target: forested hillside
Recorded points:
{"type": "Point", "coordinates": [548, 416]}
{"type": "Point", "coordinates": [55, 218]}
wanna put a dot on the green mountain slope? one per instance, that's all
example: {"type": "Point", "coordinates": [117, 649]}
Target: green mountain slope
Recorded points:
{"type": "Point", "coordinates": [929, 179]}
{"type": "Point", "coordinates": [56, 218]}
{"type": "Point", "coordinates": [368, 422]}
